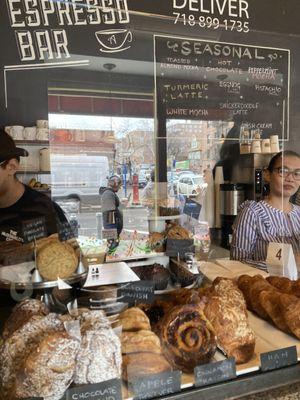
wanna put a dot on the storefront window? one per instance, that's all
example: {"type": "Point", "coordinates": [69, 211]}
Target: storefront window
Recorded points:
{"type": "Point", "coordinates": [149, 225]}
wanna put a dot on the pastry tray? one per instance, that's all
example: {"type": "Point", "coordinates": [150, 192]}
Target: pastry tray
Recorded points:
{"type": "Point", "coordinates": [7, 284]}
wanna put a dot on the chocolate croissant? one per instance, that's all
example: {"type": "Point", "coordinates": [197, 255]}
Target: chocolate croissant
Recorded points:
{"type": "Point", "coordinates": [187, 338]}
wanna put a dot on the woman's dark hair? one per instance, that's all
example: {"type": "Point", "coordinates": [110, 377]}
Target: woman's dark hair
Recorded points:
{"type": "Point", "coordinates": [282, 154]}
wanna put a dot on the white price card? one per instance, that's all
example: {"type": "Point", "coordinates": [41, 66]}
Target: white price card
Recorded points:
{"type": "Point", "coordinates": [281, 260]}
{"type": "Point", "coordinates": [109, 274]}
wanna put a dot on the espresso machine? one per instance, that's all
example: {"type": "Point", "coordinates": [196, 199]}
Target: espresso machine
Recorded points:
{"type": "Point", "coordinates": [247, 183]}
{"type": "Point", "coordinates": [249, 170]}
{"type": "Point", "coordinates": [232, 195]}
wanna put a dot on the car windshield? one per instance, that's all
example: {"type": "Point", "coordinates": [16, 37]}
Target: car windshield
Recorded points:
{"type": "Point", "coordinates": [169, 174]}
{"type": "Point", "coordinates": [198, 181]}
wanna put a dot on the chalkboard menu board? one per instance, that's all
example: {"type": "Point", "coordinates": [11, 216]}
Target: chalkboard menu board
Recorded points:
{"type": "Point", "coordinates": [156, 385]}
{"type": "Point", "coordinates": [97, 391]}
{"type": "Point", "coordinates": [140, 292]}
{"type": "Point", "coordinates": [208, 80]}
{"type": "Point", "coordinates": [34, 229]}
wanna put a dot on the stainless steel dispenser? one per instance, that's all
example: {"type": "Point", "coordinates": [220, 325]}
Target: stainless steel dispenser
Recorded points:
{"type": "Point", "coordinates": [232, 196]}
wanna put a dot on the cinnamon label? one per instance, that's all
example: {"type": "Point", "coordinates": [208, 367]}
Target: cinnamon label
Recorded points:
{"type": "Point", "coordinates": [215, 372]}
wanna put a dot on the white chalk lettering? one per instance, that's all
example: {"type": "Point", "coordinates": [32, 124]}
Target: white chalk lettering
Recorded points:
{"type": "Point", "coordinates": [179, 4]}
{"type": "Point", "coordinates": [231, 8]}
{"type": "Point", "coordinates": [93, 13]}
{"type": "Point", "coordinates": [109, 15]}
{"type": "Point", "coordinates": [49, 44]}
{"type": "Point", "coordinates": [78, 12]}
{"type": "Point", "coordinates": [122, 11]}
{"type": "Point", "coordinates": [271, 90]}
{"type": "Point", "coordinates": [25, 43]}
{"type": "Point", "coordinates": [47, 8]}
{"type": "Point", "coordinates": [64, 13]}
{"type": "Point", "coordinates": [61, 41]}
{"type": "Point", "coordinates": [177, 111]}
{"type": "Point", "coordinates": [44, 45]}
{"type": "Point", "coordinates": [13, 13]}
{"type": "Point", "coordinates": [33, 15]}
{"type": "Point", "coordinates": [73, 12]}
{"type": "Point", "coordinates": [187, 48]}
{"type": "Point", "coordinates": [198, 113]}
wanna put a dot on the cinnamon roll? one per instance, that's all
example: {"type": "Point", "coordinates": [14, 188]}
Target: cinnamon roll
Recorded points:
{"type": "Point", "coordinates": [187, 338]}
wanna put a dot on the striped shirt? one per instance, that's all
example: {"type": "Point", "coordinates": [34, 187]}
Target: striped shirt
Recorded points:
{"type": "Point", "coordinates": [257, 225]}
{"type": "Point", "coordinates": [297, 198]}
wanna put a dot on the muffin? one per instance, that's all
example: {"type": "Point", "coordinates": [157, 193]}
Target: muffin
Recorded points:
{"type": "Point", "coordinates": [155, 273]}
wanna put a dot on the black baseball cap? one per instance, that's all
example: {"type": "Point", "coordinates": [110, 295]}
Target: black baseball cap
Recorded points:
{"type": "Point", "coordinates": [8, 148]}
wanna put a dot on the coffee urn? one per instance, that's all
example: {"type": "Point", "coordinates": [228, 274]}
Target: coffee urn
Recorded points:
{"type": "Point", "coordinates": [232, 196]}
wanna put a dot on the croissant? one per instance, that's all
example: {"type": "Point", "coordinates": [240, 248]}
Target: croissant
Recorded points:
{"type": "Point", "coordinates": [187, 338]}
{"type": "Point", "coordinates": [285, 285]}
{"type": "Point", "coordinates": [259, 284]}
{"type": "Point", "coordinates": [296, 288]}
{"type": "Point", "coordinates": [251, 287]}
{"type": "Point", "coordinates": [269, 301]}
{"type": "Point", "coordinates": [290, 308]}
{"type": "Point", "coordinates": [244, 284]}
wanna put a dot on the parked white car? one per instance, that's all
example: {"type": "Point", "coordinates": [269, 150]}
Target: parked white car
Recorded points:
{"type": "Point", "coordinates": [185, 172]}
{"type": "Point", "coordinates": [189, 185]}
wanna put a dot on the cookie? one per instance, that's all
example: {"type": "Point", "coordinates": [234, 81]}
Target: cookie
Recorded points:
{"type": "Point", "coordinates": [56, 259]}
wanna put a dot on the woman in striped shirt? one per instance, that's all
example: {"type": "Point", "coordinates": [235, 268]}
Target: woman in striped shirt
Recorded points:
{"type": "Point", "coordinates": [273, 219]}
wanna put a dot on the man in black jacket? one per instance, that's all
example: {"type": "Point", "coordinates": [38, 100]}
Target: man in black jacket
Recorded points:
{"type": "Point", "coordinates": [110, 203]}
{"type": "Point", "coordinates": [20, 204]}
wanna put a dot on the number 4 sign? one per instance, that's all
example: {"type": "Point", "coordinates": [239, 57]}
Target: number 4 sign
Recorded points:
{"type": "Point", "coordinates": [281, 260]}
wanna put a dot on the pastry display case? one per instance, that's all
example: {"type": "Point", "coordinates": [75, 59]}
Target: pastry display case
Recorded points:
{"type": "Point", "coordinates": [124, 121]}
{"type": "Point", "coordinates": [211, 330]}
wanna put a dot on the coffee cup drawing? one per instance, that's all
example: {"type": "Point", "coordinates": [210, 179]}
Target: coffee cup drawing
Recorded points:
{"type": "Point", "coordinates": [114, 40]}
